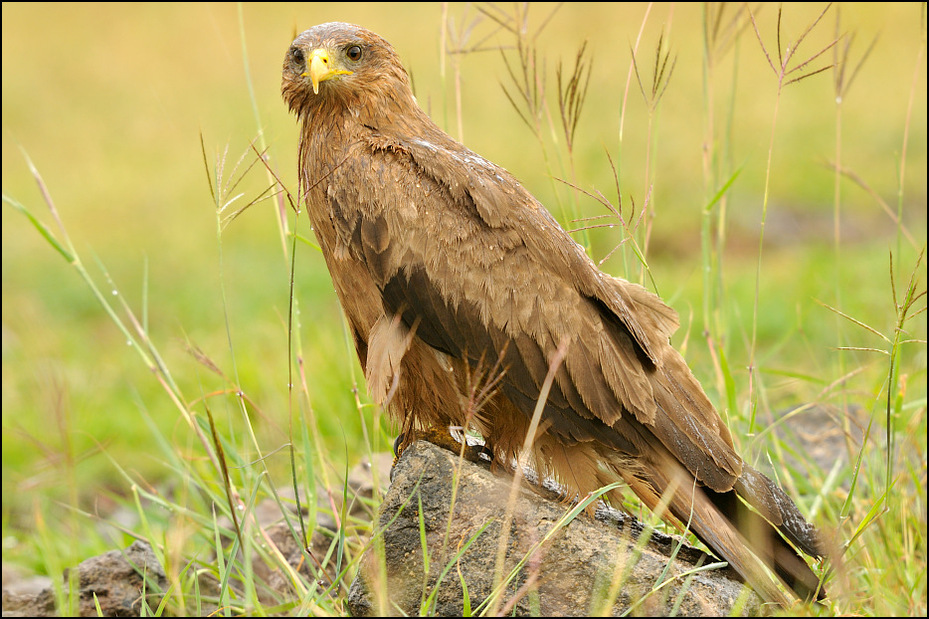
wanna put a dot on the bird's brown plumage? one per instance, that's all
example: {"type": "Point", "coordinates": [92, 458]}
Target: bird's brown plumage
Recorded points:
{"type": "Point", "coordinates": [445, 266]}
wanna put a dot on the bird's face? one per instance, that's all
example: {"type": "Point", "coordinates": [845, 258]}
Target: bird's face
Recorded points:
{"type": "Point", "coordinates": [338, 61]}
{"type": "Point", "coordinates": [318, 59]}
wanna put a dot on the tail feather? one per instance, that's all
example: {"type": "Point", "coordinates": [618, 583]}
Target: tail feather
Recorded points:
{"type": "Point", "coordinates": [747, 538]}
{"type": "Point", "coordinates": [777, 511]}
{"type": "Point", "coordinates": [778, 508]}
{"type": "Point", "coordinates": [749, 542]}
{"type": "Point", "coordinates": [691, 505]}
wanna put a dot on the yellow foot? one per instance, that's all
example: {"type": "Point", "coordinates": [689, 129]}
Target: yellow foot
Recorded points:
{"type": "Point", "coordinates": [441, 437]}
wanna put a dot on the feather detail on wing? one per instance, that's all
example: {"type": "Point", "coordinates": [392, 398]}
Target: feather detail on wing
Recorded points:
{"type": "Point", "coordinates": [461, 266]}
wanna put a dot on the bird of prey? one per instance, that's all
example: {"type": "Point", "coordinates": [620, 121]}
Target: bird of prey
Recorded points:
{"type": "Point", "coordinates": [451, 273]}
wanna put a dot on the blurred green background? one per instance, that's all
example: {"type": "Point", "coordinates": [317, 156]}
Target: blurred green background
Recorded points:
{"type": "Point", "coordinates": [111, 101]}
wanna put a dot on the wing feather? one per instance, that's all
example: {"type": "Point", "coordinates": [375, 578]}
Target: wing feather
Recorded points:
{"type": "Point", "coordinates": [460, 249]}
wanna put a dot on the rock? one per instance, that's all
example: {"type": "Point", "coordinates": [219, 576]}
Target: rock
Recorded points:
{"type": "Point", "coordinates": [17, 582]}
{"type": "Point", "coordinates": [318, 562]}
{"type": "Point", "coordinates": [280, 587]}
{"type": "Point", "coordinates": [558, 569]}
{"type": "Point", "coordinates": [26, 600]}
{"type": "Point", "coordinates": [117, 578]}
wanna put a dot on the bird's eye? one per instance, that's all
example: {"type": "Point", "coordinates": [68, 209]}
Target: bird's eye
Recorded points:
{"type": "Point", "coordinates": [298, 56]}
{"type": "Point", "coordinates": [354, 53]}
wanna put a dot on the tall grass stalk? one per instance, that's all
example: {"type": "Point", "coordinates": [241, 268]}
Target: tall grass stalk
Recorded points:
{"type": "Point", "coordinates": [652, 94]}
{"type": "Point", "coordinates": [631, 226]}
{"type": "Point", "coordinates": [786, 74]}
{"type": "Point", "coordinates": [721, 36]}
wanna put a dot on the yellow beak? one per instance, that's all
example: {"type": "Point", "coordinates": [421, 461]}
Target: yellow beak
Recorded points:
{"type": "Point", "coordinates": [322, 69]}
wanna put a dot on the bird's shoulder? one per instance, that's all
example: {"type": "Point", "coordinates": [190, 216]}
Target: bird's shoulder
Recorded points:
{"type": "Point", "coordinates": [445, 231]}
{"type": "Point", "coordinates": [425, 199]}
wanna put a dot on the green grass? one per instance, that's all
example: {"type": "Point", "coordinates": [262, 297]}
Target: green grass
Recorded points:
{"type": "Point", "coordinates": [113, 119]}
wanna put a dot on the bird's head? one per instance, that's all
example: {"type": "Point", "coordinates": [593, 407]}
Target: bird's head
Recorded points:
{"type": "Point", "coordinates": [338, 65]}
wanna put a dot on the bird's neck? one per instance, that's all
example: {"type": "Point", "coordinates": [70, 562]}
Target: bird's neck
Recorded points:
{"type": "Point", "coordinates": [335, 125]}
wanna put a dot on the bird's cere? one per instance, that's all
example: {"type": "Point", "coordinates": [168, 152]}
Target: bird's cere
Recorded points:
{"type": "Point", "coordinates": [320, 71]}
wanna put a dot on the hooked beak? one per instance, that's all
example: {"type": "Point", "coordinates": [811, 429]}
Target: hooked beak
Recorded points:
{"type": "Point", "coordinates": [321, 68]}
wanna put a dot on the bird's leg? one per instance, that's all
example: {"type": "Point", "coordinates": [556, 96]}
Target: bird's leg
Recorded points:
{"type": "Point", "coordinates": [399, 446]}
{"type": "Point", "coordinates": [487, 451]}
{"type": "Point", "coordinates": [440, 436]}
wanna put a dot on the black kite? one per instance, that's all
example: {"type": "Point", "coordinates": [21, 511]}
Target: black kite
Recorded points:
{"type": "Point", "coordinates": [444, 264]}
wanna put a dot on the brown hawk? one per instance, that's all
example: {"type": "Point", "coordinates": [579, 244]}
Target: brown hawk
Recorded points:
{"type": "Point", "coordinates": [448, 271]}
